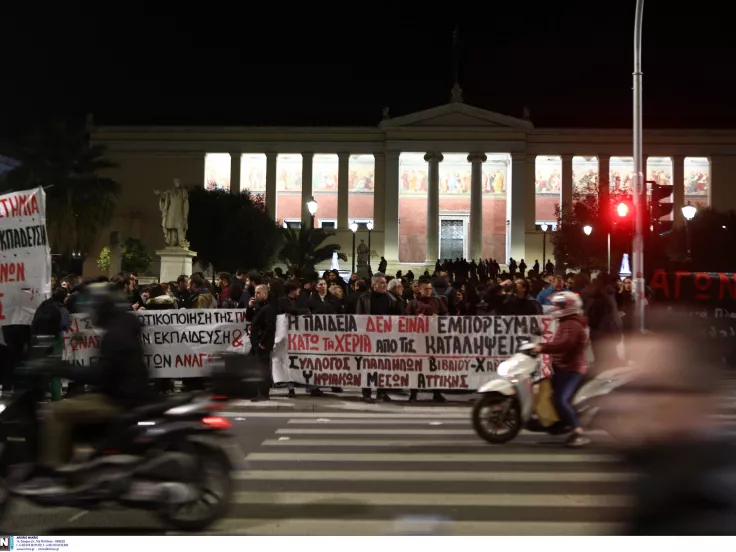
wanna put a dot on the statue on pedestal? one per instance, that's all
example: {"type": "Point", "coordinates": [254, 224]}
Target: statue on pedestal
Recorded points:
{"type": "Point", "coordinates": [364, 258]}
{"type": "Point", "coordinates": [174, 205]}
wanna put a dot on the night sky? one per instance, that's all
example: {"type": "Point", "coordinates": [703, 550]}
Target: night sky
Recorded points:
{"type": "Point", "coordinates": [340, 63]}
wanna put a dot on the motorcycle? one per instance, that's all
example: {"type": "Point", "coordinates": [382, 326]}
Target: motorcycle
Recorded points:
{"type": "Point", "coordinates": [170, 457]}
{"type": "Point", "coordinates": [506, 405]}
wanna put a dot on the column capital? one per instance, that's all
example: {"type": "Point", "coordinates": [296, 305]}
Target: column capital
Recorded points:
{"type": "Point", "coordinates": [379, 154]}
{"type": "Point", "coordinates": [390, 154]}
{"type": "Point", "coordinates": [434, 156]}
{"type": "Point", "coordinates": [343, 155]}
{"type": "Point", "coordinates": [566, 156]}
{"type": "Point", "coordinates": [475, 157]}
{"type": "Point", "coordinates": [271, 155]}
{"type": "Point", "coordinates": [677, 157]}
{"type": "Point", "coordinates": [307, 155]}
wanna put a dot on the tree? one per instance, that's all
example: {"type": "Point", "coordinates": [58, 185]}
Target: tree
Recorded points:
{"type": "Point", "coordinates": [304, 249]}
{"type": "Point", "coordinates": [231, 231]}
{"type": "Point", "coordinates": [573, 249]}
{"type": "Point", "coordinates": [134, 257]}
{"type": "Point", "coordinates": [79, 201]}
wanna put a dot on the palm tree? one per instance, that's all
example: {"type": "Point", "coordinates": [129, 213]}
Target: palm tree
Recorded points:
{"type": "Point", "coordinates": [79, 202]}
{"type": "Point", "coordinates": [303, 249]}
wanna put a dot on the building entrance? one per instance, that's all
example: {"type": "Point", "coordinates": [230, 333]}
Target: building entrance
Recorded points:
{"type": "Point", "coordinates": [453, 237]}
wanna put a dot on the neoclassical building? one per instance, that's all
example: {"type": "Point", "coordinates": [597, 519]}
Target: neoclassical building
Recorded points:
{"type": "Point", "coordinates": [450, 181]}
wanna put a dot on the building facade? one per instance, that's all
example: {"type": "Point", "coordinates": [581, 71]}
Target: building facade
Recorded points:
{"type": "Point", "coordinates": [452, 181]}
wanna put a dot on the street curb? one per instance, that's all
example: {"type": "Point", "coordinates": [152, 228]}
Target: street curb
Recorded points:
{"type": "Point", "coordinates": [294, 406]}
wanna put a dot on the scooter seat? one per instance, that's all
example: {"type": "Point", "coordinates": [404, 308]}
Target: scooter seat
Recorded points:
{"type": "Point", "coordinates": [154, 409]}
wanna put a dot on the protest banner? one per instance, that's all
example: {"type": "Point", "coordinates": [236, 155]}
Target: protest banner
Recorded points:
{"type": "Point", "coordinates": [176, 343]}
{"type": "Point", "coordinates": [25, 257]}
{"type": "Point", "coordinates": [408, 352]}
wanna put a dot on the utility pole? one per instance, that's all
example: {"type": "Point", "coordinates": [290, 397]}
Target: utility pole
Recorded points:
{"type": "Point", "coordinates": [640, 198]}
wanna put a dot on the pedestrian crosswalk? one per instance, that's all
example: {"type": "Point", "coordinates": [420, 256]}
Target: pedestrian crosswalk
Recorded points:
{"type": "Point", "coordinates": [349, 473]}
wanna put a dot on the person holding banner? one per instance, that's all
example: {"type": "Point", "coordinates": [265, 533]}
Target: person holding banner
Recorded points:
{"type": "Point", "coordinates": [262, 313]}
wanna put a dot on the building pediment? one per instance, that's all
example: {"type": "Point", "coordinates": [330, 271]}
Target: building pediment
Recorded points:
{"type": "Point", "coordinates": [457, 115]}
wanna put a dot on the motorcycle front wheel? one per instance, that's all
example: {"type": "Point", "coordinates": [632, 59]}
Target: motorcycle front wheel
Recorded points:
{"type": "Point", "coordinates": [491, 423]}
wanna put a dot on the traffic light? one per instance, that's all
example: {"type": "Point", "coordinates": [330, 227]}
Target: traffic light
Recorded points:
{"type": "Point", "coordinates": [622, 209]}
{"type": "Point", "coordinates": [660, 208]}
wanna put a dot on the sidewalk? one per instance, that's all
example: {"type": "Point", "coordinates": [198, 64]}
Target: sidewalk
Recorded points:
{"type": "Point", "coordinates": [351, 400]}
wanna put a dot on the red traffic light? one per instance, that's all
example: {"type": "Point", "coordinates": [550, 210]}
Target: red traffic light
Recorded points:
{"type": "Point", "coordinates": [622, 209]}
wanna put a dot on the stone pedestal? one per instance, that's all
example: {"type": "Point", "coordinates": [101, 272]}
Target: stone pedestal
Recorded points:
{"type": "Point", "coordinates": [175, 261]}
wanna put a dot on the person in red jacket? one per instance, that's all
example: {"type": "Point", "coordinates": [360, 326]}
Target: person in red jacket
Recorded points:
{"type": "Point", "coordinates": [567, 349]}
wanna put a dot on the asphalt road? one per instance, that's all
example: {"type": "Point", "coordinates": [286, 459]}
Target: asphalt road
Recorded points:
{"type": "Point", "coordinates": [387, 469]}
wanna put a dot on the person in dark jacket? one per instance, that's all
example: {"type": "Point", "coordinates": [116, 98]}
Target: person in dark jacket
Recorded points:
{"type": "Point", "coordinates": [322, 301]}
{"type": "Point", "coordinates": [568, 359]}
{"type": "Point", "coordinates": [604, 321]}
{"type": "Point", "coordinates": [120, 378]}
{"type": "Point", "coordinates": [261, 314]}
{"type": "Point", "coordinates": [519, 301]}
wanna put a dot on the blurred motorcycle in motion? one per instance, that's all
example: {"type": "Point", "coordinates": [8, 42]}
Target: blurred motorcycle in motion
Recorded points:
{"type": "Point", "coordinates": [169, 457]}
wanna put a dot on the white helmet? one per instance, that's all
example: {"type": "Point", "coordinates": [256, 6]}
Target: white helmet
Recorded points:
{"type": "Point", "coordinates": [566, 303]}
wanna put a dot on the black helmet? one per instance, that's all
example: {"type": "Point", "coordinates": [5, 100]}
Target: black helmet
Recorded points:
{"type": "Point", "coordinates": [102, 302]}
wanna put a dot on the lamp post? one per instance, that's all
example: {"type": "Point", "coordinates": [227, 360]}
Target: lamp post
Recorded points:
{"type": "Point", "coordinates": [354, 228]}
{"type": "Point", "coordinates": [588, 229]}
{"type": "Point", "coordinates": [688, 211]}
{"type": "Point", "coordinates": [370, 251]}
{"type": "Point", "coordinates": [544, 244]}
{"type": "Point", "coordinates": [312, 206]}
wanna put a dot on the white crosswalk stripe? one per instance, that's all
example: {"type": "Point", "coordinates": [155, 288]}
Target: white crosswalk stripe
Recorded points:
{"type": "Point", "coordinates": [349, 473]}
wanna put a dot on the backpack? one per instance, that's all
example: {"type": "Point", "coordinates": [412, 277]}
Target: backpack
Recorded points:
{"type": "Point", "coordinates": [47, 319]}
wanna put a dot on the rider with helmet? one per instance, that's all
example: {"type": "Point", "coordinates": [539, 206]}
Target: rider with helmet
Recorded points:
{"type": "Point", "coordinates": [120, 377]}
{"type": "Point", "coordinates": [567, 349]}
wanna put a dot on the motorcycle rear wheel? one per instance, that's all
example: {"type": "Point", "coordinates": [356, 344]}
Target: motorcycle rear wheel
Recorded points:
{"type": "Point", "coordinates": [215, 486]}
{"type": "Point", "coordinates": [512, 420]}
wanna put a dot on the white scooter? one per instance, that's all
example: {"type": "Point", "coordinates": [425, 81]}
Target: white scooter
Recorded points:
{"type": "Point", "coordinates": [506, 405]}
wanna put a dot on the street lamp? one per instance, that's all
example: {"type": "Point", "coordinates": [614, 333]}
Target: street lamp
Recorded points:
{"type": "Point", "coordinates": [312, 206]}
{"type": "Point", "coordinates": [688, 211]}
{"type": "Point", "coordinates": [369, 225]}
{"type": "Point", "coordinates": [544, 246]}
{"type": "Point", "coordinates": [354, 228]}
{"type": "Point", "coordinates": [587, 229]}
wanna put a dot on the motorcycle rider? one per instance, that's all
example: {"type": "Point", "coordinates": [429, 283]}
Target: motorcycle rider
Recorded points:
{"type": "Point", "coordinates": [568, 358]}
{"type": "Point", "coordinates": [120, 376]}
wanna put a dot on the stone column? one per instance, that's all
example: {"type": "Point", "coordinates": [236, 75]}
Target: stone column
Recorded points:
{"type": "Point", "coordinates": [235, 173]}
{"type": "Point", "coordinates": [271, 184]}
{"type": "Point", "coordinates": [433, 207]}
{"type": "Point", "coordinates": [678, 182]}
{"type": "Point", "coordinates": [379, 192]}
{"type": "Point", "coordinates": [516, 211]}
{"type": "Point", "coordinates": [307, 158]}
{"type": "Point", "coordinates": [391, 211]}
{"type": "Point", "coordinates": [604, 174]}
{"type": "Point", "coordinates": [343, 197]}
{"type": "Point", "coordinates": [530, 195]}
{"type": "Point", "coordinates": [566, 199]}
{"type": "Point", "coordinates": [476, 204]}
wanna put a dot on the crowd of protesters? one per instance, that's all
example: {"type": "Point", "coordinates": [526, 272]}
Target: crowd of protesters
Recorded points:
{"type": "Point", "coordinates": [454, 288]}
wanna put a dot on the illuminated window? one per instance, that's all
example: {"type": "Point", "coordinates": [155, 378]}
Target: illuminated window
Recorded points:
{"type": "Point", "coordinates": [253, 172]}
{"type": "Point", "coordinates": [361, 181]}
{"type": "Point", "coordinates": [289, 187]}
{"type": "Point", "coordinates": [584, 176]}
{"type": "Point", "coordinates": [547, 186]}
{"type": "Point", "coordinates": [217, 171]}
{"type": "Point", "coordinates": [621, 176]}
{"type": "Point", "coordinates": [697, 181]}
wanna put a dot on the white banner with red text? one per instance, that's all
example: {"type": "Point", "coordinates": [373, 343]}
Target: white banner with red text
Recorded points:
{"type": "Point", "coordinates": [25, 257]}
{"type": "Point", "coordinates": [408, 352]}
{"type": "Point", "coordinates": [176, 343]}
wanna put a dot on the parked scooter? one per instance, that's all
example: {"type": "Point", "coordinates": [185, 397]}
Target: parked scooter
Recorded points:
{"type": "Point", "coordinates": [506, 405]}
{"type": "Point", "coordinates": [170, 457]}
